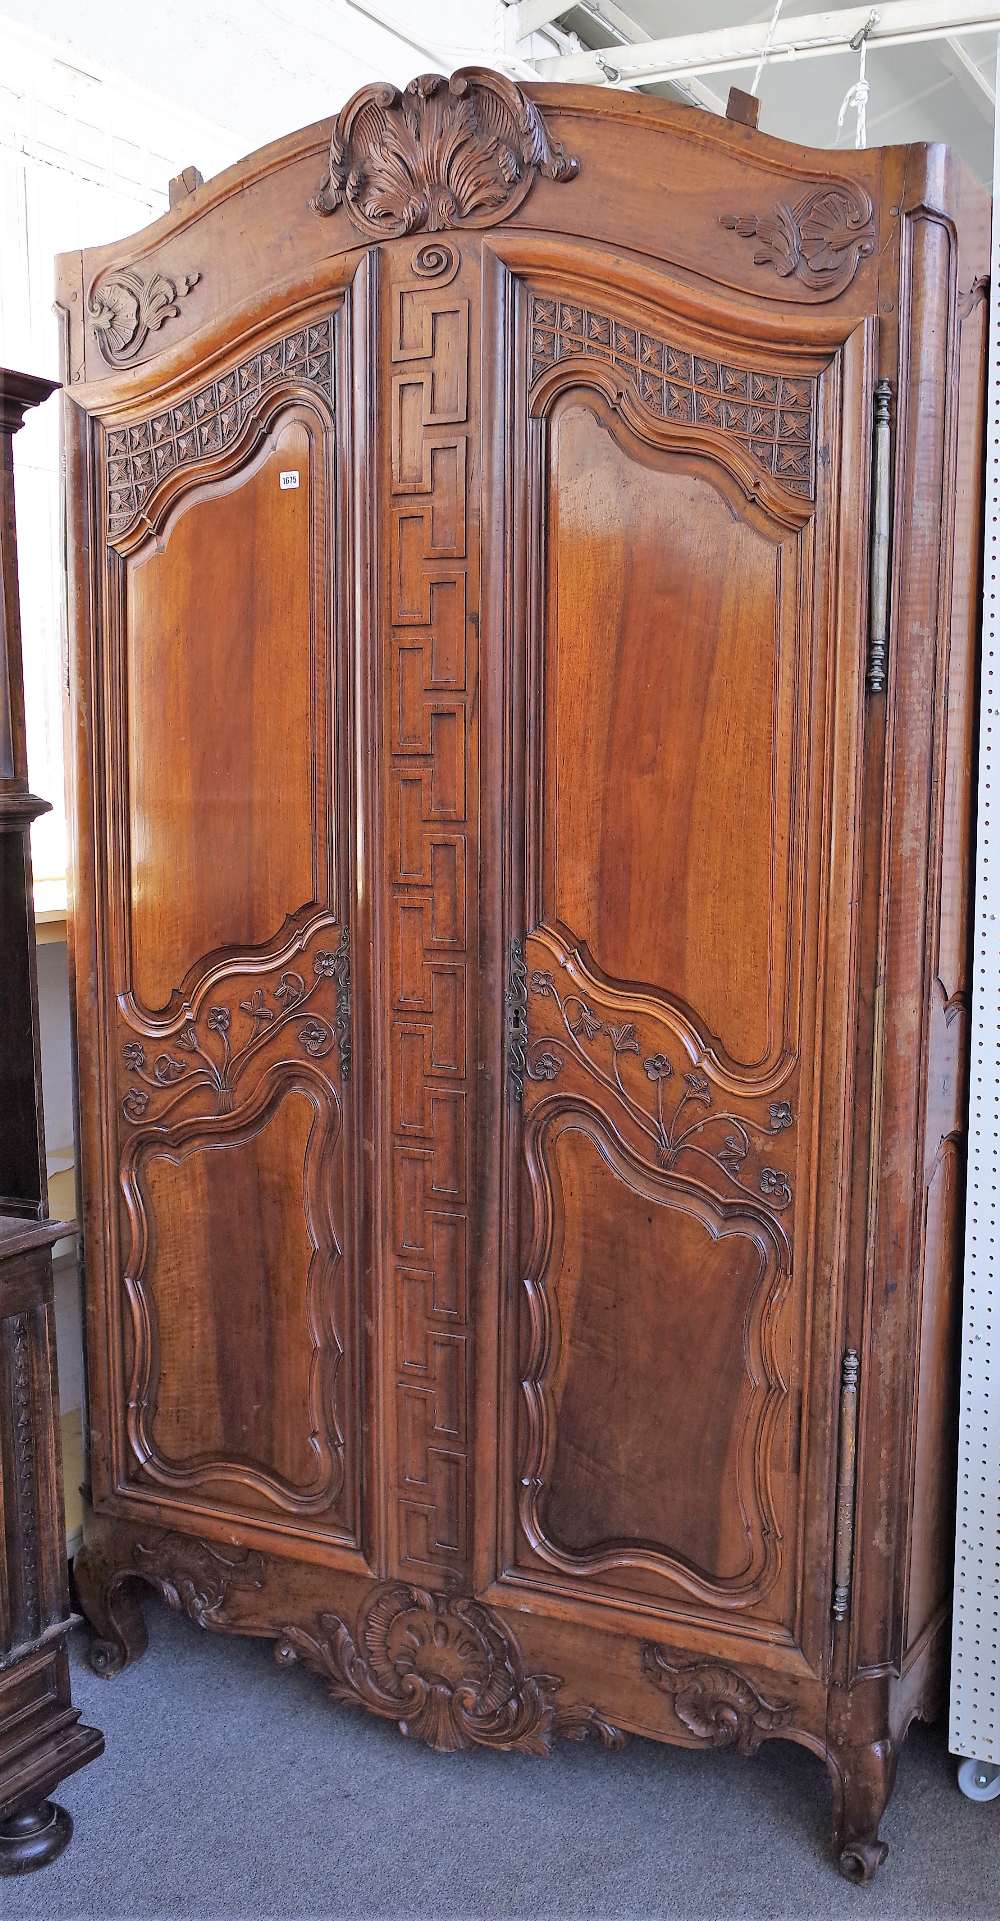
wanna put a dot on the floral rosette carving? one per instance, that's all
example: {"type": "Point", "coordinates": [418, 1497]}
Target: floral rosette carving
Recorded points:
{"type": "Point", "coordinates": [206, 1053]}
{"type": "Point", "coordinates": [443, 153]}
{"type": "Point", "coordinates": [820, 241]}
{"type": "Point", "coordinates": [673, 1106]}
{"type": "Point", "coordinates": [126, 309]}
{"type": "Point", "coordinates": [445, 1669]}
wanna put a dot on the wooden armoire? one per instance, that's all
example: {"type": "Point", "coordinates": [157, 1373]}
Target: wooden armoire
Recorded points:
{"type": "Point", "coordinates": [523, 551]}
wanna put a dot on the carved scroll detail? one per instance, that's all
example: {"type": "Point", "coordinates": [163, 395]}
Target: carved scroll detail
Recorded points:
{"type": "Point", "coordinates": [443, 153]}
{"type": "Point", "coordinates": [821, 240]}
{"type": "Point", "coordinates": [516, 1018]}
{"type": "Point", "coordinates": [126, 309]}
{"type": "Point", "coordinates": [210, 1059]}
{"type": "Point", "coordinates": [195, 1576]}
{"type": "Point", "coordinates": [713, 1701]}
{"type": "Point", "coordinates": [139, 456]}
{"type": "Point", "coordinates": [446, 1669]}
{"type": "Point", "coordinates": [688, 1125]}
{"type": "Point", "coordinates": [25, 1467]}
{"type": "Point", "coordinates": [770, 415]}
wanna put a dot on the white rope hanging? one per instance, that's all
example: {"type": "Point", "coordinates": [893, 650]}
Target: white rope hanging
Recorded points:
{"type": "Point", "coordinates": [766, 48]}
{"type": "Point", "coordinates": [857, 95]}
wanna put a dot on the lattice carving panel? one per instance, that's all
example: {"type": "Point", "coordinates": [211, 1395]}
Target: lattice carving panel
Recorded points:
{"type": "Point", "coordinates": [205, 423]}
{"type": "Point", "coordinates": [770, 415]}
{"type": "Point", "coordinates": [430, 855]}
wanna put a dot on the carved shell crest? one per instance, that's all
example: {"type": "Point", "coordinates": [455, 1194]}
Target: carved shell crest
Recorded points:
{"type": "Point", "coordinates": [443, 153]}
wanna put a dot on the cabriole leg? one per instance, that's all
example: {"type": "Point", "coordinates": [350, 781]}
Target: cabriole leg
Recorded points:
{"type": "Point", "coordinates": [863, 1779]}
{"type": "Point", "coordinates": [108, 1598]}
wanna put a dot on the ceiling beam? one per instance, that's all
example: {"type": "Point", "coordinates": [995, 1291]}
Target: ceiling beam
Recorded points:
{"type": "Point", "coordinates": [897, 23]}
{"type": "Point", "coordinates": [975, 84]}
{"type": "Point", "coordinates": [607, 13]}
{"type": "Point", "coordinates": [530, 16]}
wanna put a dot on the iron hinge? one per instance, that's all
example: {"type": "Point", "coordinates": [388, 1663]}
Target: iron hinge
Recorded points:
{"type": "Point", "coordinates": [847, 1474]}
{"type": "Point", "coordinates": [881, 537]}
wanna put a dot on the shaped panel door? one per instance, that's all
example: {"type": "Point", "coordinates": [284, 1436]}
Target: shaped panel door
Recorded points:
{"type": "Point", "coordinates": [680, 652]}
{"type": "Point", "coordinates": [224, 781]}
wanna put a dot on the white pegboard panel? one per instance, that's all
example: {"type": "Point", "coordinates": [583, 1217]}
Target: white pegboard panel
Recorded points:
{"type": "Point", "coordinates": [975, 1683]}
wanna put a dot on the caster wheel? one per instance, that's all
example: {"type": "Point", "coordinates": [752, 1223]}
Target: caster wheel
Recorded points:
{"type": "Point", "coordinates": [979, 1780]}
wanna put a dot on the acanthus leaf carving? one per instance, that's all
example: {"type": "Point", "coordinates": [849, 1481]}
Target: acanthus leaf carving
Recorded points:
{"type": "Point", "coordinates": [443, 152]}
{"type": "Point", "coordinates": [770, 415]}
{"type": "Point", "coordinates": [195, 1577]}
{"type": "Point", "coordinates": [676, 1110]}
{"type": "Point", "coordinates": [126, 309]}
{"type": "Point", "coordinates": [821, 240]}
{"type": "Point", "coordinates": [446, 1669]}
{"type": "Point", "coordinates": [713, 1701]}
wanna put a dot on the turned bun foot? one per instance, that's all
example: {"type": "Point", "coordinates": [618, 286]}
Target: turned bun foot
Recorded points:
{"type": "Point", "coordinates": [33, 1837]}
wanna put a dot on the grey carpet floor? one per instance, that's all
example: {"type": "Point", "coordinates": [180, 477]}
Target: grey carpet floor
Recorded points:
{"type": "Point", "coordinates": [232, 1791]}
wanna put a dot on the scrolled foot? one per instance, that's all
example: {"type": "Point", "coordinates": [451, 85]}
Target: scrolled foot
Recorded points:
{"type": "Point", "coordinates": [860, 1860]}
{"type": "Point", "coordinates": [863, 1779]}
{"type": "Point", "coordinates": [33, 1837]}
{"type": "Point", "coordinates": [107, 1598]}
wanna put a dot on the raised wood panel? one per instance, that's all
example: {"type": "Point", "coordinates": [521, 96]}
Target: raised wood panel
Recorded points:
{"type": "Point", "coordinates": [234, 1279]}
{"type": "Point", "coordinates": [650, 1377]}
{"type": "Point", "coordinates": [668, 714]}
{"type": "Point", "coordinates": [221, 702]}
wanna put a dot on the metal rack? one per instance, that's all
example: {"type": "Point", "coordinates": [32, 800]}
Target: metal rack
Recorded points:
{"type": "Point", "coordinates": [975, 1686]}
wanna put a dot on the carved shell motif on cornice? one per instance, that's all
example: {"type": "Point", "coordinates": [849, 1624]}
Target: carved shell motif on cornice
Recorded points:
{"type": "Point", "coordinates": [770, 415]}
{"type": "Point", "coordinates": [126, 309]}
{"type": "Point", "coordinates": [821, 240]}
{"type": "Point", "coordinates": [462, 152]}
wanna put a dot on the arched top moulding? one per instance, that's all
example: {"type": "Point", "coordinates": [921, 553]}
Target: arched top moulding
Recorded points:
{"type": "Point", "coordinates": [713, 201]}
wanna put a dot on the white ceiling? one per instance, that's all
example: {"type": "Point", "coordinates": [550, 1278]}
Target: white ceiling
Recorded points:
{"type": "Point", "coordinates": [917, 92]}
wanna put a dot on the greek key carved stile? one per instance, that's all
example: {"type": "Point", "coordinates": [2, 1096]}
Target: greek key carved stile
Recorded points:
{"type": "Point", "coordinates": [431, 864]}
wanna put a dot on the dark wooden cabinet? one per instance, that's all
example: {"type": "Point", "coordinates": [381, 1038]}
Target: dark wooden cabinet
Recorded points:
{"type": "Point", "coordinates": [524, 560]}
{"type": "Point", "coordinates": [41, 1741]}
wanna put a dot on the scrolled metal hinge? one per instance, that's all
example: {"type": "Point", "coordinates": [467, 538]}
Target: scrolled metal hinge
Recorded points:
{"type": "Point", "coordinates": [847, 1472]}
{"type": "Point", "coordinates": [342, 976]}
{"type": "Point", "coordinates": [516, 1018]}
{"type": "Point", "coordinates": [881, 537]}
